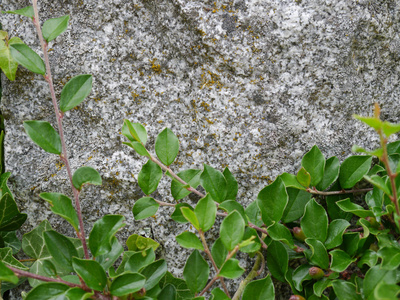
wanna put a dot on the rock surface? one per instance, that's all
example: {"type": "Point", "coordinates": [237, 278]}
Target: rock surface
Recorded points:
{"type": "Point", "coordinates": [251, 85]}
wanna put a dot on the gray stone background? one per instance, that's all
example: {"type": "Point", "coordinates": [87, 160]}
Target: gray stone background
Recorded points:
{"type": "Point", "coordinates": [249, 84]}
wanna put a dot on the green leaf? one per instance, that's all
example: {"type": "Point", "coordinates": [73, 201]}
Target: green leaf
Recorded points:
{"type": "Point", "coordinates": [345, 290]}
{"type": "Point", "coordinates": [253, 214]}
{"type": "Point", "coordinates": [139, 243]}
{"type": "Point", "coordinates": [62, 206]}
{"type": "Point", "coordinates": [379, 182]}
{"type": "Point", "coordinates": [353, 169]}
{"type": "Point", "coordinates": [214, 183]}
{"type": "Point", "coordinates": [33, 243]}
{"type": "Point", "coordinates": [177, 215]}
{"type": "Point", "coordinates": [318, 255]}
{"type": "Point", "coordinates": [191, 217]}
{"type": "Point", "coordinates": [7, 275]}
{"type": "Point", "coordinates": [255, 244]}
{"type": "Point", "coordinates": [231, 205]}
{"type": "Point", "coordinates": [232, 185]}
{"type": "Point", "coordinates": [390, 258]}
{"type": "Point", "coordinates": [6, 256]}
{"type": "Point", "coordinates": [377, 152]}
{"type": "Point", "coordinates": [126, 284]}
{"type": "Point", "coordinates": [280, 232]}
{"type": "Point", "coordinates": [331, 173]}
{"type": "Point", "coordinates": [340, 260]}
{"type": "Point", "coordinates": [48, 291]}
{"type": "Point", "coordinates": [373, 122]}
{"type": "Point", "coordinates": [272, 201]}
{"type": "Point", "coordinates": [206, 211]}
{"type": "Point", "coordinates": [139, 260]}
{"type": "Point", "coordinates": [153, 273]}
{"type": "Point", "coordinates": [149, 177]}
{"type": "Point", "coordinates": [232, 230]}
{"type": "Point", "coordinates": [303, 177]}
{"type": "Point", "coordinates": [139, 148]}
{"type": "Point", "coordinates": [314, 163]}
{"type": "Point", "coordinates": [107, 260]}
{"type": "Point", "coordinates": [369, 258]}
{"type": "Point", "coordinates": [196, 272]}
{"type": "Point", "coordinates": [301, 274]}
{"type": "Point", "coordinates": [335, 233]}
{"type": "Point", "coordinates": [218, 294]}
{"type": "Point", "coordinates": [350, 242]}
{"type": "Point", "coordinates": [44, 135]}
{"type": "Point", "coordinates": [315, 221]}
{"type": "Point", "coordinates": [10, 240]}
{"type": "Point", "coordinates": [290, 180]}
{"type": "Point", "coordinates": [168, 293]}
{"type": "Point", "coordinates": [386, 291]}
{"type": "Point", "coordinates": [102, 233]}
{"type": "Point", "coordinates": [390, 128]}
{"type": "Point", "coordinates": [26, 11]}
{"type": "Point", "coordinates": [296, 204]}
{"type": "Point", "coordinates": [277, 260]}
{"type": "Point", "coordinates": [191, 177]}
{"type": "Point", "coordinates": [75, 91]}
{"type": "Point", "coordinates": [10, 217]}
{"type": "Point", "coordinates": [189, 240]}
{"type": "Point", "coordinates": [333, 210]}
{"type": "Point", "coordinates": [219, 252]}
{"type": "Point", "coordinates": [61, 248]}
{"type": "Point", "coordinates": [134, 132]}
{"type": "Point", "coordinates": [231, 269]}
{"type": "Point", "coordinates": [78, 294]}
{"type": "Point", "coordinates": [262, 289]}
{"type": "Point", "coordinates": [85, 175]}
{"type": "Point", "coordinates": [183, 292]}
{"type": "Point", "coordinates": [167, 146]}
{"type": "Point", "coordinates": [393, 148]}
{"type": "Point", "coordinates": [91, 272]}
{"type": "Point", "coordinates": [52, 28]}
{"type": "Point", "coordinates": [28, 58]}
{"type": "Point", "coordinates": [375, 276]}
{"type": "Point", "coordinates": [321, 285]}
{"type": "Point", "coordinates": [7, 62]}
{"type": "Point", "coordinates": [348, 206]}
{"type": "Point", "coordinates": [145, 207]}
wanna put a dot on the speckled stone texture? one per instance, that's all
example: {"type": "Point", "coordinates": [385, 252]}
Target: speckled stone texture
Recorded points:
{"type": "Point", "coordinates": [251, 85]}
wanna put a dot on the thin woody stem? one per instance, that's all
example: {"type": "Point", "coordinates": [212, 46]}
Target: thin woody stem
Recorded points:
{"type": "Point", "coordinates": [64, 155]}
{"type": "Point", "coordinates": [316, 192]}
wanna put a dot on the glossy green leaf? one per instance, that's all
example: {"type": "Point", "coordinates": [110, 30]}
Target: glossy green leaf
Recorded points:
{"type": "Point", "coordinates": [102, 233]}
{"type": "Point", "coordinates": [91, 272]}
{"type": "Point", "coordinates": [300, 275]}
{"type": "Point", "coordinates": [232, 230]}
{"type": "Point", "coordinates": [315, 221]}
{"type": "Point", "coordinates": [255, 244]}
{"type": "Point", "coordinates": [232, 185]}
{"type": "Point", "coordinates": [345, 290]}
{"type": "Point", "coordinates": [390, 258]}
{"type": "Point", "coordinates": [26, 11]}
{"type": "Point", "coordinates": [353, 169]}
{"type": "Point", "coordinates": [7, 275]}
{"type": "Point", "coordinates": [390, 128]}
{"type": "Point", "coordinates": [75, 91]}
{"type": "Point", "coordinates": [387, 291]}
{"type": "Point", "coordinates": [52, 28]}
{"type": "Point", "coordinates": [6, 256]}
{"type": "Point", "coordinates": [280, 232]}
{"type": "Point", "coordinates": [350, 242]}
{"type": "Point", "coordinates": [168, 293]}
{"type": "Point", "coordinates": [393, 148]}
{"type": "Point", "coordinates": [107, 260]}
{"type": "Point", "coordinates": [78, 294]}
{"type": "Point", "coordinates": [272, 201]}
{"type": "Point", "coordinates": [379, 182]}
{"type": "Point", "coordinates": [340, 260]}
{"type": "Point", "coordinates": [377, 152]}
{"type": "Point", "coordinates": [153, 273]}
{"type": "Point", "coordinates": [262, 289]}
{"type": "Point", "coordinates": [189, 240]}
{"type": "Point", "coordinates": [62, 206]}
{"type": "Point", "coordinates": [336, 230]}
{"type": "Point", "coordinates": [375, 276]}
{"type": "Point", "coordinates": [33, 243]}
{"type": "Point", "coordinates": [290, 180]}
{"type": "Point", "coordinates": [303, 177]}
{"type": "Point", "coordinates": [183, 292]}
{"type": "Point", "coordinates": [333, 210]}
{"type": "Point", "coordinates": [277, 260]}
{"type": "Point", "coordinates": [10, 217]}
{"type": "Point", "coordinates": [190, 216]}
{"type": "Point", "coordinates": [137, 261]}
{"type": "Point", "coordinates": [139, 148]}
{"type": "Point", "coordinates": [219, 252]}
{"type": "Point", "coordinates": [145, 207]}
{"type": "Point", "coordinates": [134, 132]}
{"type": "Point", "coordinates": [167, 146]}
{"type": "Point", "coordinates": [231, 205]}
{"type": "Point", "coordinates": [196, 272]}
{"type": "Point", "coordinates": [296, 204]}
{"type": "Point", "coordinates": [177, 215]}
{"type": "Point", "coordinates": [27, 58]}
{"type": "Point", "coordinates": [348, 206]}
{"type": "Point", "coordinates": [253, 214]}
{"type": "Point", "coordinates": [331, 173]}
{"type": "Point", "coordinates": [205, 212]}
{"type": "Point", "coordinates": [317, 254]}
{"type": "Point", "coordinates": [85, 175]}
{"type": "Point", "coordinates": [191, 177]}
{"type": "Point", "coordinates": [10, 240]}
{"type": "Point", "coordinates": [61, 248]}
{"type": "Point", "coordinates": [48, 291]}
{"type": "Point", "coordinates": [7, 63]}
{"type": "Point", "coordinates": [126, 284]}
{"type": "Point", "coordinates": [214, 183]}
{"type": "Point", "coordinates": [369, 258]}
{"type": "Point", "coordinates": [218, 294]}
{"type": "Point", "coordinates": [44, 135]}
{"type": "Point", "coordinates": [149, 177]}
{"type": "Point", "coordinates": [321, 285]}
{"type": "Point", "coordinates": [373, 122]}
{"type": "Point", "coordinates": [314, 163]}
{"type": "Point", "coordinates": [231, 269]}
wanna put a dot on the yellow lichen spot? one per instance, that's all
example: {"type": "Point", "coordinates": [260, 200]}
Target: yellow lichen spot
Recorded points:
{"type": "Point", "coordinates": [161, 121]}
{"type": "Point", "coordinates": [155, 67]}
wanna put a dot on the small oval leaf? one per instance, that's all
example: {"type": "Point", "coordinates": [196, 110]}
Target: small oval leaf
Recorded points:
{"type": "Point", "coordinates": [52, 28]}
{"type": "Point", "coordinates": [28, 58]}
{"type": "Point", "coordinates": [44, 135]}
{"type": "Point", "coordinates": [75, 91]}
{"type": "Point", "coordinates": [167, 146]}
{"type": "Point", "coordinates": [144, 207]}
{"type": "Point", "coordinates": [85, 175]}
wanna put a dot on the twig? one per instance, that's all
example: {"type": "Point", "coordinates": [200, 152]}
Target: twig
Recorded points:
{"type": "Point", "coordinates": [316, 192]}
